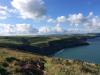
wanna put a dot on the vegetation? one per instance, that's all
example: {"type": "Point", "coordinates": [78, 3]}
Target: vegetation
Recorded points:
{"type": "Point", "coordinates": [18, 56]}
{"type": "Point", "coordinates": [19, 63]}
{"type": "Point", "coordinates": [42, 45]}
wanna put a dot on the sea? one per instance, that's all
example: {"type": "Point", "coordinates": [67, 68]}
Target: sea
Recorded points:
{"type": "Point", "coordinates": [89, 53]}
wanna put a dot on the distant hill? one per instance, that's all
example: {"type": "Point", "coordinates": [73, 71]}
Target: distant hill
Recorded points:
{"type": "Point", "coordinates": [43, 45]}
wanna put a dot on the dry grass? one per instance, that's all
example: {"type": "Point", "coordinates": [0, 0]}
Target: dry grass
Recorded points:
{"type": "Point", "coordinates": [53, 66]}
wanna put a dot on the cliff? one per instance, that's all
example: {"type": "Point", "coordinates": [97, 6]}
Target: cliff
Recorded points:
{"type": "Point", "coordinates": [41, 45]}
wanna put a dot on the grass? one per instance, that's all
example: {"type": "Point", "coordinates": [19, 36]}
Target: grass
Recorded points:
{"type": "Point", "coordinates": [12, 62]}
{"type": "Point", "coordinates": [34, 40]}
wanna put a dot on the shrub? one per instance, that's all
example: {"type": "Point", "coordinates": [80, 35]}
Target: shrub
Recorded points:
{"type": "Point", "coordinates": [3, 71]}
{"type": "Point", "coordinates": [10, 59]}
{"type": "Point", "coordinates": [5, 64]}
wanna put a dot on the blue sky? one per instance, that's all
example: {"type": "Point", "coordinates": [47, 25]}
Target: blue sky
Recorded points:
{"type": "Point", "coordinates": [65, 7]}
{"type": "Point", "coordinates": [49, 16]}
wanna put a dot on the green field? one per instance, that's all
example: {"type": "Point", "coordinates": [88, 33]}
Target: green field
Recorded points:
{"type": "Point", "coordinates": [42, 45]}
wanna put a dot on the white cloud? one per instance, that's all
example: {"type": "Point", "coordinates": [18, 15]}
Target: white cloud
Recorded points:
{"type": "Point", "coordinates": [75, 19]}
{"type": "Point", "coordinates": [50, 20]}
{"type": "Point", "coordinates": [90, 15]}
{"type": "Point", "coordinates": [3, 12]}
{"type": "Point", "coordinates": [6, 12]}
{"type": "Point", "coordinates": [30, 9]}
{"type": "Point", "coordinates": [6, 29]}
{"type": "Point", "coordinates": [61, 19]}
{"type": "Point", "coordinates": [58, 20]}
{"type": "Point", "coordinates": [25, 29]}
{"type": "Point", "coordinates": [89, 22]}
{"type": "Point", "coordinates": [44, 29]}
{"type": "Point", "coordinates": [58, 28]}
{"type": "Point", "coordinates": [55, 29]}
{"type": "Point", "coordinates": [92, 22]}
{"type": "Point", "coordinates": [73, 30]}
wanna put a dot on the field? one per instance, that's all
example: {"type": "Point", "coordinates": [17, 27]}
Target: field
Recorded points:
{"type": "Point", "coordinates": [42, 45]}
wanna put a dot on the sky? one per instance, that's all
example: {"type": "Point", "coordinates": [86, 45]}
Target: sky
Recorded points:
{"type": "Point", "coordinates": [32, 17]}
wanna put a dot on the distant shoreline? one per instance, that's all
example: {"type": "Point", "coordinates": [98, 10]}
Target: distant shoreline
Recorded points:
{"type": "Point", "coordinates": [42, 45]}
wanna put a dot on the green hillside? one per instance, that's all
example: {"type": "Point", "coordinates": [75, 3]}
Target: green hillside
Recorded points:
{"type": "Point", "coordinates": [42, 45]}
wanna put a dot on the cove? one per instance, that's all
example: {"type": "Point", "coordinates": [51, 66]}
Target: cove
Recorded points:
{"type": "Point", "coordinates": [89, 53]}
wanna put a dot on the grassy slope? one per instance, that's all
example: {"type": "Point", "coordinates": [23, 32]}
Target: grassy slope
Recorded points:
{"type": "Point", "coordinates": [44, 45]}
{"type": "Point", "coordinates": [11, 61]}
{"type": "Point", "coordinates": [18, 40]}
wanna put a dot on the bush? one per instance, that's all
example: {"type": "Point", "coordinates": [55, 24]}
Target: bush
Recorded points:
{"type": "Point", "coordinates": [10, 59]}
{"type": "Point", "coordinates": [3, 71]}
{"type": "Point", "coordinates": [5, 64]}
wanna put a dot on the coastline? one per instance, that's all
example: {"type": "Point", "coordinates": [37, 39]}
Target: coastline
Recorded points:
{"type": "Point", "coordinates": [45, 47]}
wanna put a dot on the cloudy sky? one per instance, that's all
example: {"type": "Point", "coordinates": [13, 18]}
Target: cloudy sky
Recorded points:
{"type": "Point", "coordinates": [19, 17]}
